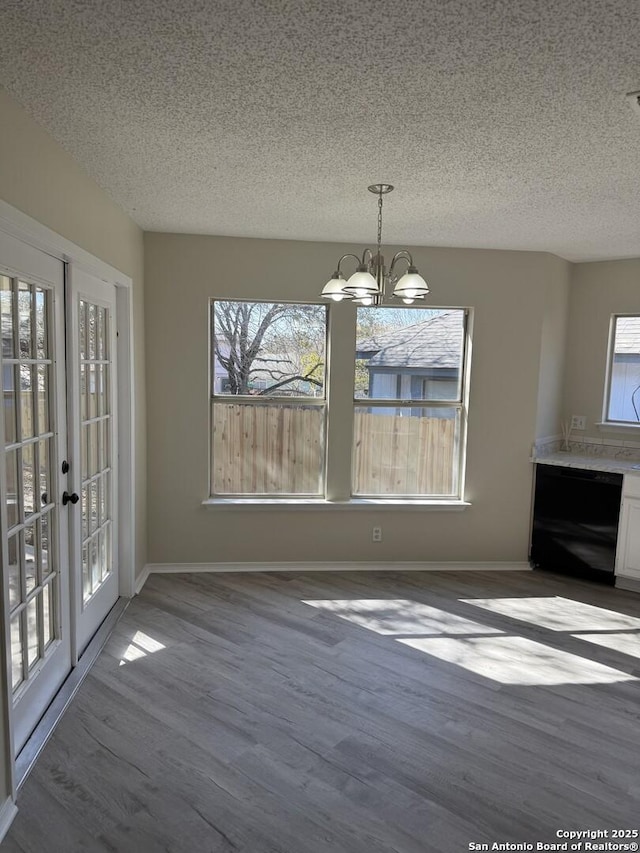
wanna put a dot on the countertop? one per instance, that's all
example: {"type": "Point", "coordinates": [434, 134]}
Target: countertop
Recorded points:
{"type": "Point", "coordinates": [590, 463]}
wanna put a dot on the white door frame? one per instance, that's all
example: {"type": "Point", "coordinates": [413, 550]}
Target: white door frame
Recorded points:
{"type": "Point", "coordinates": [17, 224]}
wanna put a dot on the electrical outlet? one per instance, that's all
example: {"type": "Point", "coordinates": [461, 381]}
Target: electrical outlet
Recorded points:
{"type": "Point", "coordinates": [377, 534]}
{"type": "Point", "coordinates": [578, 421]}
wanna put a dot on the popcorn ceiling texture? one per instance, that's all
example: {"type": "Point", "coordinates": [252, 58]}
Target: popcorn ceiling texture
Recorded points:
{"type": "Point", "coordinates": [502, 124]}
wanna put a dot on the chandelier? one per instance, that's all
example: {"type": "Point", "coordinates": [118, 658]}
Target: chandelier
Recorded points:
{"type": "Point", "coordinates": [371, 282]}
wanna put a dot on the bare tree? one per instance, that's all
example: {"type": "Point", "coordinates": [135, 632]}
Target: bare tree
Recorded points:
{"type": "Point", "coordinates": [276, 342]}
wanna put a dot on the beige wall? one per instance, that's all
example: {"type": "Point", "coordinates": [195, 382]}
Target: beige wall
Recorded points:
{"type": "Point", "coordinates": [552, 351]}
{"type": "Point", "coordinates": [39, 178]}
{"type": "Point", "coordinates": [598, 290]}
{"type": "Point", "coordinates": [509, 292]}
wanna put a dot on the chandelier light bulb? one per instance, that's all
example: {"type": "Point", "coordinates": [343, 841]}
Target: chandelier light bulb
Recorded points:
{"type": "Point", "coordinates": [411, 285]}
{"type": "Point", "coordinates": [334, 288]}
{"type": "Point", "coordinates": [361, 283]}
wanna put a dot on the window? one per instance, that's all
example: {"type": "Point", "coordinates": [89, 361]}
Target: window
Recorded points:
{"type": "Point", "coordinates": [268, 399]}
{"type": "Point", "coordinates": [410, 371]}
{"type": "Point", "coordinates": [623, 398]}
{"type": "Point", "coordinates": [271, 436]}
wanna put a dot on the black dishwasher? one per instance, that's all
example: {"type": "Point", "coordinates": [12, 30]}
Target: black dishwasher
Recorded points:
{"type": "Point", "coordinates": [575, 521]}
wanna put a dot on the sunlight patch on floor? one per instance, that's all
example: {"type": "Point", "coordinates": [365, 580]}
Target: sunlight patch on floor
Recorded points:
{"type": "Point", "coordinates": [517, 660]}
{"type": "Point", "coordinates": [140, 646]}
{"type": "Point", "coordinates": [401, 616]}
{"type": "Point", "coordinates": [628, 644]}
{"type": "Point", "coordinates": [558, 614]}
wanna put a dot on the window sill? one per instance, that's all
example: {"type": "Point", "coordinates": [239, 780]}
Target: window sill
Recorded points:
{"type": "Point", "coordinates": [294, 504]}
{"type": "Point", "coordinates": [617, 427]}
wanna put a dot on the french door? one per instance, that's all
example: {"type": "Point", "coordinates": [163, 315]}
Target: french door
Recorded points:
{"type": "Point", "coordinates": [91, 347]}
{"type": "Point", "coordinates": [57, 549]}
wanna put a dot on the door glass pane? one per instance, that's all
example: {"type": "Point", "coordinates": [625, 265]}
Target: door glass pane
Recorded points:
{"type": "Point", "coordinates": [15, 593]}
{"type": "Point", "coordinates": [43, 461]}
{"type": "Point", "coordinates": [45, 545]}
{"type": "Point", "coordinates": [100, 389]}
{"type": "Point", "coordinates": [30, 564]}
{"type": "Point", "coordinates": [93, 507]}
{"type": "Point", "coordinates": [32, 632]}
{"type": "Point", "coordinates": [6, 311]}
{"type": "Point", "coordinates": [42, 297]}
{"type": "Point", "coordinates": [104, 498]}
{"type": "Point", "coordinates": [17, 675]}
{"type": "Point", "coordinates": [93, 392]}
{"type": "Point", "coordinates": [26, 400]}
{"type": "Point", "coordinates": [42, 398]}
{"type": "Point", "coordinates": [9, 393]}
{"type": "Point", "coordinates": [84, 369]}
{"type": "Point", "coordinates": [84, 444]}
{"type": "Point", "coordinates": [86, 580]}
{"type": "Point", "coordinates": [12, 487]}
{"type": "Point", "coordinates": [104, 565]}
{"type": "Point", "coordinates": [93, 449]}
{"type": "Point", "coordinates": [25, 310]}
{"type": "Point", "coordinates": [82, 329]}
{"type": "Point", "coordinates": [93, 564]}
{"type": "Point", "coordinates": [91, 315]}
{"type": "Point", "coordinates": [27, 479]}
{"type": "Point", "coordinates": [84, 501]}
{"type": "Point", "coordinates": [47, 615]}
{"type": "Point", "coordinates": [105, 458]}
{"type": "Point", "coordinates": [99, 333]}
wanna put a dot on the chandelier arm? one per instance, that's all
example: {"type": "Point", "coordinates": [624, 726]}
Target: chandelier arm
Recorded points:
{"type": "Point", "coordinates": [369, 259]}
{"type": "Point", "coordinates": [348, 255]}
{"type": "Point", "coordinates": [403, 255]}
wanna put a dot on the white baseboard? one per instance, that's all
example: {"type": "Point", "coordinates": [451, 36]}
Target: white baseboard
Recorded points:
{"type": "Point", "coordinates": [141, 579]}
{"type": "Point", "coordinates": [8, 811]}
{"type": "Point", "coordinates": [628, 584]}
{"type": "Point", "coordinates": [186, 568]}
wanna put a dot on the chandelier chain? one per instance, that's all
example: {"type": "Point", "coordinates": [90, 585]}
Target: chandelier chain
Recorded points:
{"type": "Point", "coordinates": [379, 222]}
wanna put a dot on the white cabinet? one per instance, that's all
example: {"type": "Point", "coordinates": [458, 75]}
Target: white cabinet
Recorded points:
{"type": "Point", "coordinates": [628, 551]}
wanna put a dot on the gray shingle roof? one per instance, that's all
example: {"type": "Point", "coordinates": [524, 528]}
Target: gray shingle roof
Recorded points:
{"type": "Point", "coordinates": [436, 342]}
{"type": "Point", "coordinates": [628, 335]}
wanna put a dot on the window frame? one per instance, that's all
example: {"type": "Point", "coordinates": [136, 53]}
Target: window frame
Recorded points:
{"type": "Point", "coordinates": [264, 400]}
{"type": "Point", "coordinates": [608, 383]}
{"type": "Point", "coordinates": [460, 405]}
{"type": "Point", "coordinates": [336, 487]}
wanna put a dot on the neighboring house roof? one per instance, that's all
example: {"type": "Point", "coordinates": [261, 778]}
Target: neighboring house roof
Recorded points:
{"type": "Point", "coordinates": [436, 342]}
{"type": "Point", "coordinates": [628, 335]}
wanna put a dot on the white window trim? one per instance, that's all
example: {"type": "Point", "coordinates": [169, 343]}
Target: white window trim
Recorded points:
{"type": "Point", "coordinates": [341, 347]}
{"type": "Point", "coordinates": [282, 400]}
{"type": "Point", "coordinates": [605, 424]}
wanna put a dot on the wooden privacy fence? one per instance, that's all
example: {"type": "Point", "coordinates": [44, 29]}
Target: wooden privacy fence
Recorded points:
{"type": "Point", "coordinates": [262, 449]}
{"type": "Point", "coordinates": [403, 455]}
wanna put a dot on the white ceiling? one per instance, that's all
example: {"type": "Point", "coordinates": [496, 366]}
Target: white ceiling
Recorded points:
{"type": "Point", "coordinates": [502, 123]}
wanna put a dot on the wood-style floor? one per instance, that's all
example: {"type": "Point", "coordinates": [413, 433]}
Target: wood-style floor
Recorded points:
{"type": "Point", "coordinates": [347, 712]}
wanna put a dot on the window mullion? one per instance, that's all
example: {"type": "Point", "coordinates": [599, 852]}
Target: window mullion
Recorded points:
{"type": "Point", "coordinates": [340, 388]}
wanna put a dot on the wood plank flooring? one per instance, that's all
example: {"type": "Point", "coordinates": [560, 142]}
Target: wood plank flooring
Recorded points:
{"type": "Point", "coordinates": [348, 712]}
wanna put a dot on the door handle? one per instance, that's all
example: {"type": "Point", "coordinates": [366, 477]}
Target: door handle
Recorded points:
{"type": "Point", "coordinates": [69, 498]}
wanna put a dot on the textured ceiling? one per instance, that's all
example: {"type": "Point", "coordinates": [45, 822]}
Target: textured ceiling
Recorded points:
{"type": "Point", "coordinates": [502, 123]}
